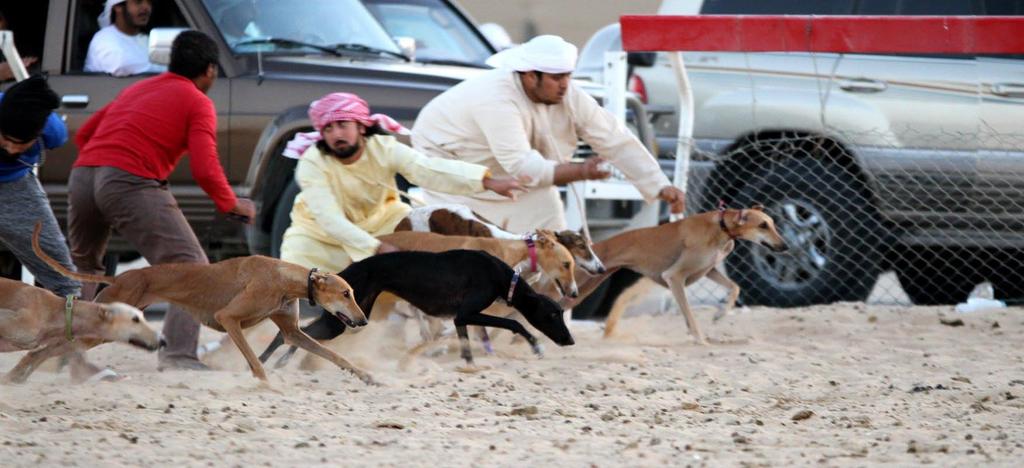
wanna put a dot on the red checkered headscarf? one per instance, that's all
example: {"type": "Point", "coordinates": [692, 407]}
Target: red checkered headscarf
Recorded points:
{"type": "Point", "coordinates": [345, 106]}
{"type": "Point", "coordinates": [336, 107]}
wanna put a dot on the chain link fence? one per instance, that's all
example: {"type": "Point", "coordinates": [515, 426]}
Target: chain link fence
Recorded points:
{"type": "Point", "coordinates": [896, 218]}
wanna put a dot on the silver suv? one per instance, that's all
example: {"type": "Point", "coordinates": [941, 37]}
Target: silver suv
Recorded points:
{"type": "Point", "coordinates": [869, 162]}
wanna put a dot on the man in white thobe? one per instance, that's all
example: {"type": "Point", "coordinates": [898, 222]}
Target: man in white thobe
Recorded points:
{"type": "Point", "coordinates": [120, 48]}
{"type": "Point", "coordinates": [524, 119]}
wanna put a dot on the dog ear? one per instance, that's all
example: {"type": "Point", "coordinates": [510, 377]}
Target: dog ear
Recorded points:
{"type": "Point", "coordinates": [106, 312]}
{"type": "Point", "coordinates": [757, 206]}
{"type": "Point", "coordinates": [741, 217]}
{"type": "Point", "coordinates": [563, 236]}
{"type": "Point", "coordinates": [544, 237]}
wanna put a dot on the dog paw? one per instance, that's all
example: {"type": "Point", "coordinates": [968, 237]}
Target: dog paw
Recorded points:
{"type": "Point", "coordinates": [537, 349]}
{"type": "Point", "coordinates": [488, 347]}
{"type": "Point", "coordinates": [367, 378]}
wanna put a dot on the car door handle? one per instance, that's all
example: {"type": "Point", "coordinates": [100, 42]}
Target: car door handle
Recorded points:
{"type": "Point", "coordinates": [75, 101]}
{"type": "Point", "coordinates": [862, 85]}
{"type": "Point", "coordinates": [1008, 89]}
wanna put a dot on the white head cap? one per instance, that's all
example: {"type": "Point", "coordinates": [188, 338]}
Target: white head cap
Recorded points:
{"type": "Point", "coordinates": [546, 54]}
{"type": "Point", "coordinates": [104, 17]}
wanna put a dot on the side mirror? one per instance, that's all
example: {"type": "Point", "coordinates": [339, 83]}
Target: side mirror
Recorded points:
{"type": "Point", "coordinates": [407, 45]}
{"type": "Point", "coordinates": [160, 40]}
{"type": "Point", "coordinates": [641, 59]}
{"type": "Point", "coordinates": [496, 35]}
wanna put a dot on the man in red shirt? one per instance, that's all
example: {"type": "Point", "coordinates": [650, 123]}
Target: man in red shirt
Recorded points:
{"type": "Point", "coordinates": [119, 181]}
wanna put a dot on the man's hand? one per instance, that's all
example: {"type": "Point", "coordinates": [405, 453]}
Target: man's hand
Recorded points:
{"type": "Point", "coordinates": [5, 68]}
{"type": "Point", "coordinates": [675, 198]}
{"type": "Point", "coordinates": [504, 186]}
{"type": "Point", "coordinates": [244, 211]}
{"type": "Point", "coordinates": [594, 168]}
{"type": "Point", "coordinates": [384, 248]}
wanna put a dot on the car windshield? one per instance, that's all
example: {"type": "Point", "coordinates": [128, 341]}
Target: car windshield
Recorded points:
{"type": "Point", "coordinates": [441, 34]}
{"type": "Point", "coordinates": [312, 26]}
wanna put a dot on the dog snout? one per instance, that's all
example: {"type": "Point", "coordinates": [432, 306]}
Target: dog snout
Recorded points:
{"type": "Point", "coordinates": [782, 247]}
{"type": "Point", "coordinates": [575, 293]}
{"type": "Point", "coordinates": [161, 343]}
{"type": "Point", "coordinates": [360, 323]}
{"type": "Point", "coordinates": [601, 269]}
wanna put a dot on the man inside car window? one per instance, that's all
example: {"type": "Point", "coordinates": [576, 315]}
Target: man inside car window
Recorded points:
{"type": "Point", "coordinates": [120, 48]}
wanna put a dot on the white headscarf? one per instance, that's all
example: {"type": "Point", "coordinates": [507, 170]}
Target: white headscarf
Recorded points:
{"type": "Point", "coordinates": [104, 17]}
{"type": "Point", "coordinates": [546, 54]}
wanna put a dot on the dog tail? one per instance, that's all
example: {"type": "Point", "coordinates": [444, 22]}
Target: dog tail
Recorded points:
{"type": "Point", "coordinates": [61, 268]}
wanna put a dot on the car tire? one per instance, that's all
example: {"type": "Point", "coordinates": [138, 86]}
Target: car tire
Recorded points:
{"type": "Point", "coordinates": [834, 235]}
{"type": "Point", "coordinates": [10, 267]}
{"type": "Point", "coordinates": [282, 218]}
{"type": "Point", "coordinates": [936, 275]}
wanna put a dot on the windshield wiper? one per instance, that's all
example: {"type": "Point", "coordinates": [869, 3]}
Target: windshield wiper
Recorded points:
{"type": "Point", "coordinates": [461, 63]}
{"type": "Point", "coordinates": [356, 47]}
{"type": "Point", "coordinates": [291, 43]}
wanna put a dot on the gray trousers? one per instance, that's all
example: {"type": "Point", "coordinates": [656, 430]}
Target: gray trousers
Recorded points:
{"type": "Point", "coordinates": [23, 203]}
{"type": "Point", "coordinates": [144, 212]}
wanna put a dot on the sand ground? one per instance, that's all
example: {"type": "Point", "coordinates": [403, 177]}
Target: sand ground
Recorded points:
{"type": "Point", "coordinates": [846, 384]}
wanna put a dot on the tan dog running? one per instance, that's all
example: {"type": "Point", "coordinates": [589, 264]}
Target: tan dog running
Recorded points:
{"type": "Point", "coordinates": [235, 294]}
{"type": "Point", "coordinates": [676, 254]}
{"type": "Point", "coordinates": [35, 319]}
{"type": "Point", "coordinates": [459, 220]}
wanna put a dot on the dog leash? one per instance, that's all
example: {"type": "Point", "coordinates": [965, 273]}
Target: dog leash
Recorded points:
{"type": "Point", "coordinates": [309, 287]}
{"type": "Point", "coordinates": [512, 286]}
{"type": "Point", "coordinates": [69, 305]}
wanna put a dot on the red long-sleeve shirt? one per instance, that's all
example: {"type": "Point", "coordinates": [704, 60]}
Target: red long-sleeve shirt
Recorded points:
{"type": "Point", "coordinates": [147, 129]}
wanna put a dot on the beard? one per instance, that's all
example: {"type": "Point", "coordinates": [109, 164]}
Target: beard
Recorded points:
{"type": "Point", "coordinates": [343, 153]}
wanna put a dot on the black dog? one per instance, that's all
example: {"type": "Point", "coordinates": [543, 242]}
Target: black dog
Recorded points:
{"type": "Point", "coordinates": [457, 283]}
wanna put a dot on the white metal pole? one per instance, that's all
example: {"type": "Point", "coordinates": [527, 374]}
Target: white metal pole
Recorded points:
{"type": "Point", "coordinates": [685, 135]}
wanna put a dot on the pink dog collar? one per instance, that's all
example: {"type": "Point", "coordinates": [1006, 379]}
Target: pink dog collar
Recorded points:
{"type": "Point", "coordinates": [531, 247]}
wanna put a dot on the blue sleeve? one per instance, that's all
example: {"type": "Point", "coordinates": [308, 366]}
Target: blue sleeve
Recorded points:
{"type": "Point", "coordinates": [55, 133]}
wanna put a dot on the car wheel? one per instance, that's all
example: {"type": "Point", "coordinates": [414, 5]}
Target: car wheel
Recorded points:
{"type": "Point", "coordinates": [833, 233]}
{"type": "Point", "coordinates": [282, 218]}
{"type": "Point", "coordinates": [936, 275]}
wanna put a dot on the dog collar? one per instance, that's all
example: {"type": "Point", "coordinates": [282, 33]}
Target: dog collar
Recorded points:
{"type": "Point", "coordinates": [721, 221]}
{"type": "Point", "coordinates": [69, 306]}
{"type": "Point", "coordinates": [512, 286]}
{"type": "Point", "coordinates": [309, 287]}
{"type": "Point", "coordinates": [531, 248]}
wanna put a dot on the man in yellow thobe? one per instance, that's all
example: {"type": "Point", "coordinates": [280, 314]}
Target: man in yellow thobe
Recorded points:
{"type": "Point", "coordinates": [347, 175]}
{"type": "Point", "coordinates": [524, 120]}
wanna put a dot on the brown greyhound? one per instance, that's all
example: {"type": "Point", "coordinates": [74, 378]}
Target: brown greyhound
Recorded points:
{"type": "Point", "coordinates": [676, 254]}
{"type": "Point", "coordinates": [459, 220]}
{"type": "Point", "coordinates": [37, 320]}
{"type": "Point", "coordinates": [235, 294]}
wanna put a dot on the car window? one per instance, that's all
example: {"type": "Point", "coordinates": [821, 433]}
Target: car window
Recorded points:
{"type": "Point", "coordinates": [916, 7]}
{"type": "Point", "coordinates": [325, 23]}
{"type": "Point", "coordinates": [165, 14]}
{"type": "Point", "coordinates": [441, 34]}
{"type": "Point", "coordinates": [1004, 7]}
{"type": "Point", "coordinates": [27, 20]}
{"type": "Point", "coordinates": [777, 7]}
